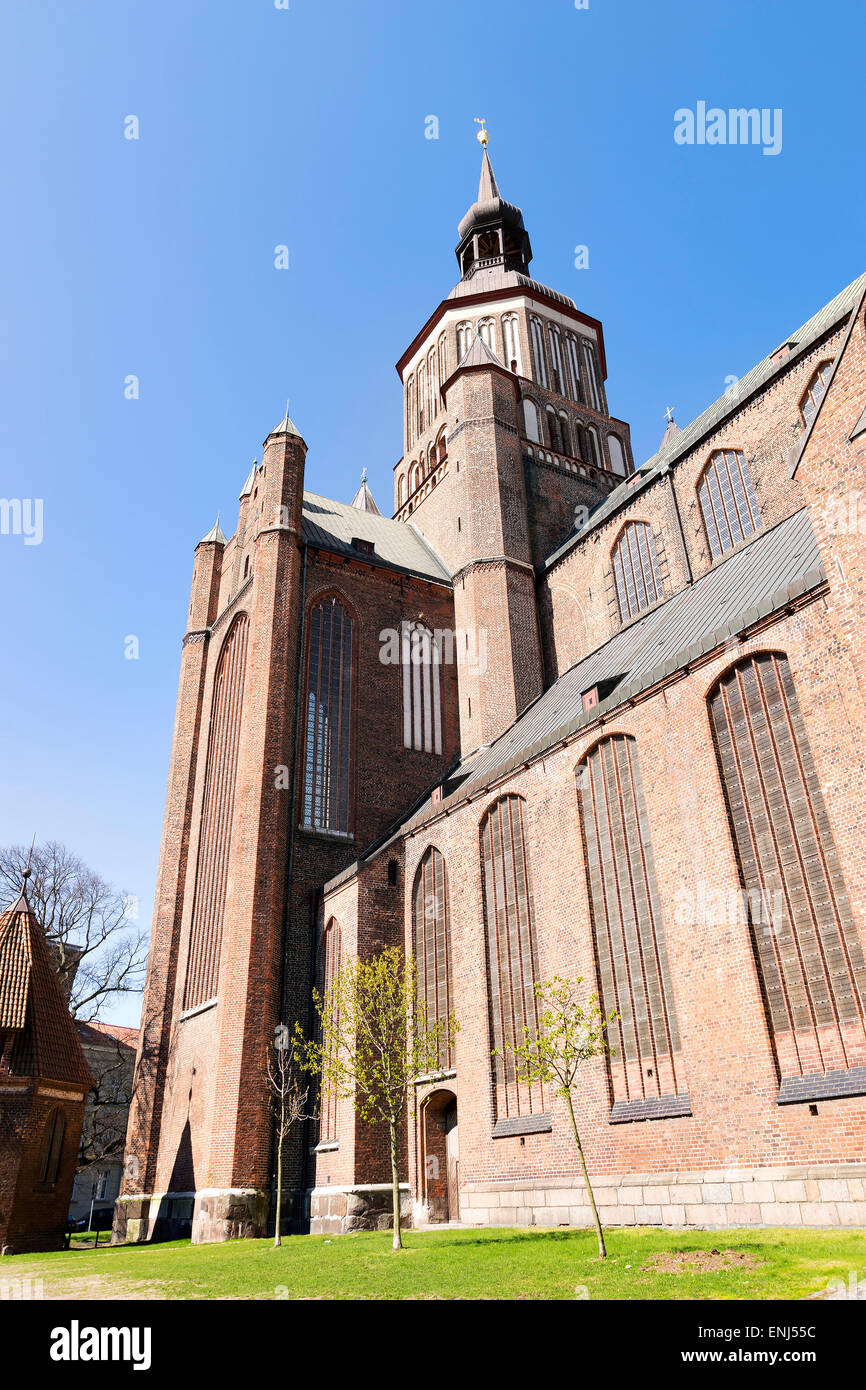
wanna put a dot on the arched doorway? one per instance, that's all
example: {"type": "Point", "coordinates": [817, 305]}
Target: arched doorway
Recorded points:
{"type": "Point", "coordinates": [441, 1157]}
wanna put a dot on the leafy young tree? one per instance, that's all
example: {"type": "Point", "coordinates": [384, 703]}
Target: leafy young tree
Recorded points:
{"type": "Point", "coordinates": [288, 1101]}
{"type": "Point", "coordinates": [99, 950]}
{"type": "Point", "coordinates": [376, 1039]}
{"type": "Point", "coordinates": [568, 1034]}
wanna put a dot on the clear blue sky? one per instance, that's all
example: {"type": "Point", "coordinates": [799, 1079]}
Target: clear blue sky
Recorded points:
{"type": "Point", "coordinates": [306, 127]}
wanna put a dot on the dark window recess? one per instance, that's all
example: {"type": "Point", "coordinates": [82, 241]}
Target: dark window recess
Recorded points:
{"type": "Point", "coordinates": [392, 872]}
{"type": "Point", "coordinates": [431, 942]}
{"type": "Point", "coordinates": [597, 693]}
{"type": "Point", "coordinates": [364, 547]}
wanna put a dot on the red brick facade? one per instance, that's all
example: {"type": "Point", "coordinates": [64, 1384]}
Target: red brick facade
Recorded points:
{"type": "Point", "coordinates": [521, 485]}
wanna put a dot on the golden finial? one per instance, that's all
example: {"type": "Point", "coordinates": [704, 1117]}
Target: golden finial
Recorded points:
{"type": "Point", "coordinates": [483, 134]}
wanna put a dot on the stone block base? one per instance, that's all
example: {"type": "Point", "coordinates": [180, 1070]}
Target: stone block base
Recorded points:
{"type": "Point", "coordinates": [210, 1215]}
{"type": "Point", "coordinates": [815, 1195]}
{"type": "Point", "coordinates": [365, 1207]}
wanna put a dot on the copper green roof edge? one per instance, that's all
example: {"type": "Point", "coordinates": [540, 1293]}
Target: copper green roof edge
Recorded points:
{"type": "Point", "coordinates": [715, 414]}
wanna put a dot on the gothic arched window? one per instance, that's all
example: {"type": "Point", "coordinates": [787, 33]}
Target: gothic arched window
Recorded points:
{"type": "Point", "coordinates": [592, 380]}
{"type": "Point", "coordinates": [511, 343]}
{"type": "Point", "coordinates": [553, 431]}
{"type": "Point", "coordinates": [512, 964]}
{"type": "Point", "coordinates": [617, 456]}
{"type": "Point", "coordinates": [487, 332]}
{"type": "Point", "coordinates": [728, 502]}
{"type": "Point", "coordinates": [202, 970]}
{"type": "Point", "coordinates": [625, 910]}
{"type": "Point", "coordinates": [464, 339]}
{"type": "Point", "coordinates": [532, 421]}
{"type": "Point", "coordinates": [330, 963]}
{"type": "Point", "coordinates": [401, 489]}
{"type": "Point", "coordinates": [574, 367]}
{"type": "Point", "coordinates": [565, 433]}
{"type": "Point", "coordinates": [422, 675]}
{"type": "Point", "coordinates": [556, 361]}
{"type": "Point", "coordinates": [431, 942]}
{"type": "Point", "coordinates": [815, 391]}
{"type": "Point", "coordinates": [536, 334]}
{"type": "Point", "coordinates": [635, 570]}
{"type": "Point", "coordinates": [329, 710]}
{"type": "Point", "coordinates": [808, 951]}
{"type": "Point", "coordinates": [52, 1148]}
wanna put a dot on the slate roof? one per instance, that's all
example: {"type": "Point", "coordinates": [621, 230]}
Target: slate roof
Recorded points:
{"type": "Point", "coordinates": [32, 1006]}
{"type": "Point", "coordinates": [684, 441]}
{"type": "Point", "coordinates": [333, 525]}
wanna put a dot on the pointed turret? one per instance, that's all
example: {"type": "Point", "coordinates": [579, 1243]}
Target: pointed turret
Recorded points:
{"type": "Point", "coordinates": [214, 536]}
{"type": "Point", "coordinates": [364, 499]}
{"type": "Point", "coordinates": [672, 429]}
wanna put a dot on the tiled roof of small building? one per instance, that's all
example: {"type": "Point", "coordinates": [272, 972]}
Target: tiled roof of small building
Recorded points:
{"type": "Point", "coordinates": [95, 1034]}
{"type": "Point", "coordinates": [333, 526]}
{"type": "Point", "coordinates": [32, 1006]}
{"type": "Point", "coordinates": [686, 439]}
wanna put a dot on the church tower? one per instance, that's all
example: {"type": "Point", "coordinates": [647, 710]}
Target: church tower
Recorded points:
{"type": "Point", "coordinates": [508, 444]}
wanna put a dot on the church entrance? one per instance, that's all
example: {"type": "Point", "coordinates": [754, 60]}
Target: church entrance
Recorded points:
{"type": "Point", "coordinates": [441, 1157]}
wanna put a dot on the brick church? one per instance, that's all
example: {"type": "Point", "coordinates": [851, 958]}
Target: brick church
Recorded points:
{"type": "Point", "coordinates": [559, 715]}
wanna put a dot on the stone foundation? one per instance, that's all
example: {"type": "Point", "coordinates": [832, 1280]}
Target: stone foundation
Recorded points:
{"type": "Point", "coordinates": [822, 1195]}
{"type": "Point", "coordinates": [364, 1207]}
{"type": "Point", "coordinates": [210, 1215]}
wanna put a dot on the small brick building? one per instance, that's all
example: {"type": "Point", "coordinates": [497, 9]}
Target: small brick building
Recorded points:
{"type": "Point", "coordinates": [558, 715]}
{"type": "Point", "coordinates": [44, 1082]}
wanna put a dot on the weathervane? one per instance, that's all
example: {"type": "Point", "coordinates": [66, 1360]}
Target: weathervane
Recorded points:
{"type": "Point", "coordinates": [483, 134]}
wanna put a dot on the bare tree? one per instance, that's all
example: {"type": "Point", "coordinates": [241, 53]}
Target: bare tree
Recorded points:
{"type": "Point", "coordinates": [568, 1034]}
{"type": "Point", "coordinates": [103, 1136]}
{"type": "Point", "coordinates": [376, 1040]}
{"type": "Point", "coordinates": [288, 1102]}
{"type": "Point", "coordinates": [99, 949]}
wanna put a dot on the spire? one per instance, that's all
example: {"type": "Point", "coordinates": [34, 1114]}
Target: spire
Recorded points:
{"type": "Point", "coordinates": [492, 232]}
{"type": "Point", "coordinates": [285, 426]}
{"type": "Point", "coordinates": [488, 189]}
{"type": "Point", "coordinates": [364, 499]}
{"type": "Point", "coordinates": [673, 428]}
{"type": "Point", "coordinates": [214, 535]}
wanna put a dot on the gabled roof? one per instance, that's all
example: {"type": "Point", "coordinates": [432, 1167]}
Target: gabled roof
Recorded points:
{"type": "Point", "coordinates": [673, 449]}
{"type": "Point", "coordinates": [478, 354]}
{"type": "Point", "coordinates": [772, 569]}
{"type": "Point", "coordinates": [32, 1006]}
{"type": "Point", "coordinates": [105, 1035]}
{"type": "Point", "coordinates": [333, 526]}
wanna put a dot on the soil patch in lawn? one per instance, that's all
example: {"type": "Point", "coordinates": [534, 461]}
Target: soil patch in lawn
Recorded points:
{"type": "Point", "coordinates": [701, 1261]}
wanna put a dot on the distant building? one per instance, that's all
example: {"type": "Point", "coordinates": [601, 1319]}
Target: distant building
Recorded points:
{"type": "Point", "coordinates": [109, 1050]}
{"type": "Point", "coordinates": [44, 1081]}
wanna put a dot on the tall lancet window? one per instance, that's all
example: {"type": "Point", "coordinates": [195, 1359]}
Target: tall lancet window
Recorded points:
{"type": "Point", "coordinates": [556, 360]}
{"type": "Point", "coordinates": [809, 955]}
{"type": "Point", "coordinates": [410, 411]}
{"type": "Point", "coordinates": [215, 836]}
{"type": "Point", "coordinates": [328, 742]}
{"type": "Point", "coordinates": [511, 342]}
{"type": "Point", "coordinates": [464, 340]}
{"type": "Point", "coordinates": [536, 334]}
{"type": "Point", "coordinates": [329, 966]}
{"type": "Point", "coordinates": [574, 367]}
{"type": "Point", "coordinates": [635, 570]}
{"type": "Point", "coordinates": [443, 360]}
{"type": "Point", "coordinates": [487, 332]}
{"type": "Point", "coordinates": [625, 910]}
{"type": "Point", "coordinates": [592, 381]}
{"type": "Point", "coordinates": [422, 680]}
{"type": "Point", "coordinates": [512, 962]}
{"type": "Point", "coordinates": [728, 501]}
{"type": "Point", "coordinates": [431, 942]}
{"type": "Point", "coordinates": [422, 398]}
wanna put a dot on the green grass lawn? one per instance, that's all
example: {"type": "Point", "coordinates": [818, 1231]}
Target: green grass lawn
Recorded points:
{"type": "Point", "coordinates": [485, 1263]}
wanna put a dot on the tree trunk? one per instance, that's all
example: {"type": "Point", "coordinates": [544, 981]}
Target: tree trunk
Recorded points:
{"type": "Point", "coordinates": [278, 1222]}
{"type": "Point", "coordinates": [395, 1187]}
{"type": "Point", "coordinates": [602, 1251]}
